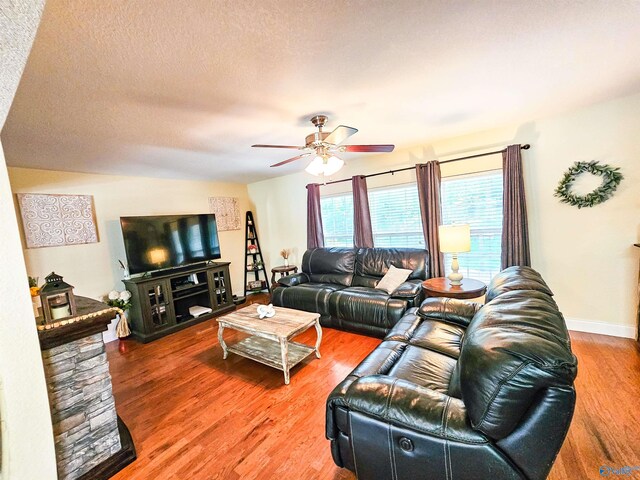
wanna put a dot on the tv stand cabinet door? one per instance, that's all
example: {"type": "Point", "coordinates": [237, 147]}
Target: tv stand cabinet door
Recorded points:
{"type": "Point", "coordinates": [220, 287]}
{"type": "Point", "coordinates": [157, 305]}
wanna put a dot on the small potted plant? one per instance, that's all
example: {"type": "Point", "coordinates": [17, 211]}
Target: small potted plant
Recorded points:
{"type": "Point", "coordinates": [284, 253]}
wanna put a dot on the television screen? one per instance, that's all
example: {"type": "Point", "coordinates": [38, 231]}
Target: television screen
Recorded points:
{"type": "Point", "coordinates": [165, 241]}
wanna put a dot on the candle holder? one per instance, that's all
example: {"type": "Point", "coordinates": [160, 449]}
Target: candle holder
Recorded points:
{"type": "Point", "coordinates": [57, 298]}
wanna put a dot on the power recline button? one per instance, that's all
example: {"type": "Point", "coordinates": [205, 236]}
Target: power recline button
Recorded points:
{"type": "Point", "coordinates": [406, 444]}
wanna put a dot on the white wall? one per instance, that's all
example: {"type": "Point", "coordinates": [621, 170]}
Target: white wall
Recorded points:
{"type": "Point", "coordinates": [93, 268]}
{"type": "Point", "coordinates": [26, 433]}
{"type": "Point", "coordinates": [586, 256]}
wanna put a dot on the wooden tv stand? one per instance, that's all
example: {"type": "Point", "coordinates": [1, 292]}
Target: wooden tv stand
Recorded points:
{"type": "Point", "coordinates": [160, 303]}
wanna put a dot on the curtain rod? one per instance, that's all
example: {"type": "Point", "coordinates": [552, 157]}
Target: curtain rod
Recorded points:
{"type": "Point", "coordinates": [523, 147]}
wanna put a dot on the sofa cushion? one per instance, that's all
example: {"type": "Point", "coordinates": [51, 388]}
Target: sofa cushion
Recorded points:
{"type": "Point", "coordinates": [441, 337]}
{"type": "Point", "coordinates": [329, 265]}
{"type": "Point", "coordinates": [310, 297]}
{"type": "Point", "coordinates": [372, 264]}
{"type": "Point", "coordinates": [368, 305]}
{"type": "Point", "coordinates": [432, 334]}
{"type": "Point", "coordinates": [424, 367]}
{"type": "Point", "coordinates": [516, 278]}
{"type": "Point", "coordinates": [515, 348]}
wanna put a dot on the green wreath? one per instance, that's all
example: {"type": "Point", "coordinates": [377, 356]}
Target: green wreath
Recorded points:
{"type": "Point", "coordinates": [611, 178]}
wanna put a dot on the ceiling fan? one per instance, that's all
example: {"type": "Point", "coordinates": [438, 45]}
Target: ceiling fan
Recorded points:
{"type": "Point", "coordinates": [322, 147]}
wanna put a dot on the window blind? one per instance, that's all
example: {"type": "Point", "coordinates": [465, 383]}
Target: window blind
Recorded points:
{"type": "Point", "coordinates": [395, 216]}
{"type": "Point", "coordinates": [476, 199]}
{"type": "Point", "coordinates": [337, 219]}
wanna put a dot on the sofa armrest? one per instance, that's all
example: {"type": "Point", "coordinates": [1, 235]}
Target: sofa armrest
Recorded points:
{"type": "Point", "coordinates": [408, 289]}
{"type": "Point", "coordinates": [293, 280]}
{"type": "Point", "coordinates": [451, 310]}
{"type": "Point", "coordinates": [407, 405]}
{"type": "Point", "coordinates": [406, 326]}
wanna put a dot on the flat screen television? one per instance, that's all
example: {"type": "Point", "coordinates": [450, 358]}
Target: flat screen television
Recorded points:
{"type": "Point", "coordinates": [167, 241]}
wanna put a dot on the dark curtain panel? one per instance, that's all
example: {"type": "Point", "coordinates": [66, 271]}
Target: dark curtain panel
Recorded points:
{"type": "Point", "coordinates": [362, 233]}
{"type": "Point", "coordinates": [428, 178]}
{"type": "Point", "coordinates": [515, 232]}
{"type": "Point", "coordinates": [315, 234]}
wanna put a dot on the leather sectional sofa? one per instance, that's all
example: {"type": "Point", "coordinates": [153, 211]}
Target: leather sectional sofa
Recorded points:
{"type": "Point", "coordinates": [339, 284]}
{"type": "Point", "coordinates": [457, 390]}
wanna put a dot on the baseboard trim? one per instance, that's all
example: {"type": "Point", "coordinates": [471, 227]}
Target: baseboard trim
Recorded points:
{"type": "Point", "coordinates": [601, 328]}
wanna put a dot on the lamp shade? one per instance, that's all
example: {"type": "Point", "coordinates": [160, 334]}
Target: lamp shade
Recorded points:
{"type": "Point", "coordinates": [324, 165]}
{"type": "Point", "coordinates": [454, 238]}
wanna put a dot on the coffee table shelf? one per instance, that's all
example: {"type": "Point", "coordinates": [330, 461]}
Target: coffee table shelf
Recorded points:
{"type": "Point", "coordinates": [268, 351]}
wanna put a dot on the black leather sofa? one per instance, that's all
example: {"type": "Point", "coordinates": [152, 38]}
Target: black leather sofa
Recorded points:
{"type": "Point", "coordinates": [461, 391]}
{"type": "Point", "coordinates": [339, 284]}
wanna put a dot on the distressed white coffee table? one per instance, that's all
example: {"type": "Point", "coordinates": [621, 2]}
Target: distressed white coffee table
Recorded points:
{"type": "Point", "coordinates": [270, 341]}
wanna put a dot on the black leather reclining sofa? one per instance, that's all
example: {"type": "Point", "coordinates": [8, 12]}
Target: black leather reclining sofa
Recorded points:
{"type": "Point", "coordinates": [461, 391]}
{"type": "Point", "coordinates": [339, 284]}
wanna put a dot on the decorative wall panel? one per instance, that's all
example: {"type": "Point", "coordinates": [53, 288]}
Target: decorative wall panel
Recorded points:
{"type": "Point", "coordinates": [227, 212]}
{"type": "Point", "coordinates": [55, 220]}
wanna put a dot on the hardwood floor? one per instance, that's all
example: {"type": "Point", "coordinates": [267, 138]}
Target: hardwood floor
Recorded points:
{"type": "Point", "coordinates": [195, 416]}
{"type": "Point", "coordinates": [605, 430]}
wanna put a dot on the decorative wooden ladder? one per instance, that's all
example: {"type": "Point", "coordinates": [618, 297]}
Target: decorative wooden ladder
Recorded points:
{"type": "Point", "coordinates": [254, 262]}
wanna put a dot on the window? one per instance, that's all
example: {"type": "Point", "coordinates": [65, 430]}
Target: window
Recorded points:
{"type": "Point", "coordinates": [337, 219]}
{"type": "Point", "coordinates": [476, 199]}
{"type": "Point", "coordinates": [395, 216]}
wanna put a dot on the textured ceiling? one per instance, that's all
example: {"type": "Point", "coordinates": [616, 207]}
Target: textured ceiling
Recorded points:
{"type": "Point", "coordinates": [182, 89]}
{"type": "Point", "coordinates": [18, 24]}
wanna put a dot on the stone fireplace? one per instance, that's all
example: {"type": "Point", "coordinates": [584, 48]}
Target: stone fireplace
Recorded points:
{"type": "Point", "coordinates": [90, 440]}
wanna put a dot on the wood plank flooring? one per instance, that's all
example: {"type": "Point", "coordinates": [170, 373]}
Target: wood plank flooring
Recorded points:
{"type": "Point", "coordinates": [195, 416]}
{"type": "Point", "coordinates": [605, 430]}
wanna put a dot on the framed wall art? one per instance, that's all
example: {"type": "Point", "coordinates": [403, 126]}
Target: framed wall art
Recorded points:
{"type": "Point", "coordinates": [51, 220]}
{"type": "Point", "coordinates": [227, 212]}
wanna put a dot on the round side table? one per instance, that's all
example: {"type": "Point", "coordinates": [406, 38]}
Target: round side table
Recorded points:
{"type": "Point", "coordinates": [441, 287]}
{"type": "Point", "coordinates": [283, 271]}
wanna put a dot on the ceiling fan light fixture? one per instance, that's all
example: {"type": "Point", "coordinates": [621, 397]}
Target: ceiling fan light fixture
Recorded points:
{"type": "Point", "coordinates": [324, 165]}
{"type": "Point", "coordinates": [323, 145]}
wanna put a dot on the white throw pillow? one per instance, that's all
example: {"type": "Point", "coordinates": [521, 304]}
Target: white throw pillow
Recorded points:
{"type": "Point", "coordinates": [393, 279]}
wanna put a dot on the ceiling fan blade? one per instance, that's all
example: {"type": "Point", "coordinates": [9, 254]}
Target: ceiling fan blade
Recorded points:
{"type": "Point", "coordinates": [340, 134]}
{"type": "Point", "coordinates": [289, 160]}
{"type": "Point", "coordinates": [277, 146]}
{"type": "Point", "coordinates": [368, 148]}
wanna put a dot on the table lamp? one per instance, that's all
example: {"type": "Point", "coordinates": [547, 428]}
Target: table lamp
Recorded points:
{"type": "Point", "coordinates": [454, 239]}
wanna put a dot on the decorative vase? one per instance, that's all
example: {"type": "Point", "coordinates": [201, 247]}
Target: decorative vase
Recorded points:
{"type": "Point", "coordinates": [286, 262]}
